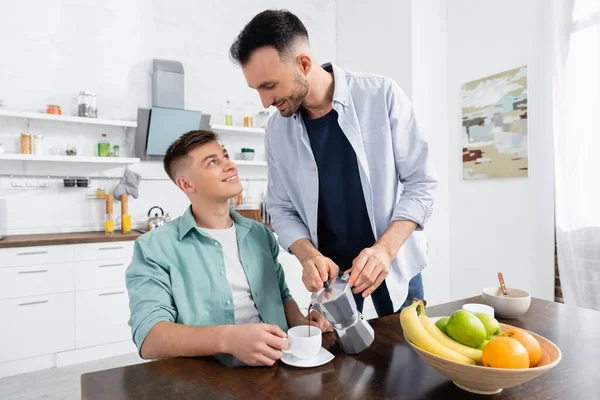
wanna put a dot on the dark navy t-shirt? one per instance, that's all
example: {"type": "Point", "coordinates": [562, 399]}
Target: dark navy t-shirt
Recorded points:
{"type": "Point", "coordinates": [343, 229]}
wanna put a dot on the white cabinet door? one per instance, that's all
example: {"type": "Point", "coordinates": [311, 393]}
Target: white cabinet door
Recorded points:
{"type": "Point", "coordinates": [103, 251]}
{"type": "Point", "coordinates": [35, 326]}
{"type": "Point", "coordinates": [293, 277]}
{"type": "Point", "coordinates": [17, 256]}
{"type": "Point", "coordinates": [102, 317]}
{"type": "Point", "coordinates": [100, 274]}
{"type": "Point", "coordinates": [36, 280]}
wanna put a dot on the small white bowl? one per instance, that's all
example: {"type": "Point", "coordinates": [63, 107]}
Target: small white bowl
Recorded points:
{"type": "Point", "coordinates": [512, 306]}
{"type": "Point", "coordinates": [477, 308]}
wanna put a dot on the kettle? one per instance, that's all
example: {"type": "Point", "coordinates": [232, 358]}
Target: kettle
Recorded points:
{"type": "Point", "coordinates": [157, 220]}
{"type": "Point", "coordinates": [336, 303]}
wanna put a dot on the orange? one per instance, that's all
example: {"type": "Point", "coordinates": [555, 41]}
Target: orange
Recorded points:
{"type": "Point", "coordinates": [504, 352]}
{"type": "Point", "coordinates": [529, 342]}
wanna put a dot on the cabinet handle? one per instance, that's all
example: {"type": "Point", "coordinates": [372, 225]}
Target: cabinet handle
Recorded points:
{"type": "Point", "coordinates": [111, 248]}
{"type": "Point", "coordinates": [111, 293]}
{"type": "Point", "coordinates": [32, 253]}
{"type": "Point", "coordinates": [39, 271]}
{"type": "Point", "coordinates": [33, 302]}
{"type": "Point", "coordinates": [110, 265]}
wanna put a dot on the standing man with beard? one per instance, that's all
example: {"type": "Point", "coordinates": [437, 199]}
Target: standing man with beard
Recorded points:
{"type": "Point", "coordinates": [351, 181]}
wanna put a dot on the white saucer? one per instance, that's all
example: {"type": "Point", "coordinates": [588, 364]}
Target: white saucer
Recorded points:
{"type": "Point", "coordinates": [323, 357]}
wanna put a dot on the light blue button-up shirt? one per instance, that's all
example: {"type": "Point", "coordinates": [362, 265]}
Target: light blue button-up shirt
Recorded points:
{"type": "Point", "coordinates": [395, 167]}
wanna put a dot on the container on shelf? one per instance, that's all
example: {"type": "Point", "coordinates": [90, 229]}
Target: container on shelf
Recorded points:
{"type": "Point", "coordinates": [53, 109]}
{"type": "Point", "coordinates": [26, 143]}
{"type": "Point", "coordinates": [228, 114]}
{"type": "Point", "coordinates": [87, 105]}
{"type": "Point", "coordinates": [38, 145]}
{"type": "Point", "coordinates": [103, 146]}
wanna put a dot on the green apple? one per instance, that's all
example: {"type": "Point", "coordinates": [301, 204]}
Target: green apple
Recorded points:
{"type": "Point", "coordinates": [483, 344]}
{"type": "Point", "coordinates": [492, 326]}
{"type": "Point", "coordinates": [466, 328]}
{"type": "Point", "coordinates": [442, 323]}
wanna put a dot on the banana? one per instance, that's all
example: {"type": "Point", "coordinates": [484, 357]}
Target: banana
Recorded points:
{"type": "Point", "coordinates": [438, 335]}
{"type": "Point", "coordinates": [416, 333]}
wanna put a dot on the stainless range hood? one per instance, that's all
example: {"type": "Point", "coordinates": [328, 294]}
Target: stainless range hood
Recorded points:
{"type": "Point", "coordinates": [162, 124]}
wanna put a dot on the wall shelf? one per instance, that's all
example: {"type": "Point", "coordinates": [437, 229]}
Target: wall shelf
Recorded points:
{"type": "Point", "coordinates": [250, 163]}
{"type": "Point", "coordinates": [240, 130]}
{"type": "Point", "coordinates": [67, 118]}
{"type": "Point", "coordinates": [69, 159]}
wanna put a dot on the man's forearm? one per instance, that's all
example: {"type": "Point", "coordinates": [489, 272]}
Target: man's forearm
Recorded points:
{"type": "Point", "coordinates": [395, 236]}
{"type": "Point", "coordinates": [304, 249]}
{"type": "Point", "coordinates": [169, 339]}
{"type": "Point", "coordinates": [293, 315]}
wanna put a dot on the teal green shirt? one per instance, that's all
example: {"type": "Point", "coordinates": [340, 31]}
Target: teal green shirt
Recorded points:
{"type": "Point", "coordinates": [177, 275]}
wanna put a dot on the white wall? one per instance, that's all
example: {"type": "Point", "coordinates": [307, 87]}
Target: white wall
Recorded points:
{"type": "Point", "coordinates": [107, 47]}
{"type": "Point", "coordinates": [375, 37]}
{"type": "Point", "coordinates": [429, 84]}
{"type": "Point", "coordinates": [504, 224]}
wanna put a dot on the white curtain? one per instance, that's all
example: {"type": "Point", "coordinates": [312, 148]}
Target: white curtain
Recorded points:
{"type": "Point", "coordinates": [576, 72]}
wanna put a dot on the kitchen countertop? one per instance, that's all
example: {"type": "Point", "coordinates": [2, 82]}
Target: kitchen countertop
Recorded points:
{"type": "Point", "coordinates": [390, 368]}
{"type": "Point", "coordinates": [53, 239]}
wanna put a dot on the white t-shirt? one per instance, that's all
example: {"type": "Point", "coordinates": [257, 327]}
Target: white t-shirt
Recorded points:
{"type": "Point", "coordinates": [245, 311]}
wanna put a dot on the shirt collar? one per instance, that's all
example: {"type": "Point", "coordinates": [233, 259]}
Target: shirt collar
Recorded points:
{"type": "Point", "coordinates": [187, 223]}
{"type": "Point", "coordinates": [340, 86]}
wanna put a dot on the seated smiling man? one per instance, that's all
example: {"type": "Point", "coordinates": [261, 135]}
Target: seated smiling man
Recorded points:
{"type": "Point", "coordinates": [208, 283]}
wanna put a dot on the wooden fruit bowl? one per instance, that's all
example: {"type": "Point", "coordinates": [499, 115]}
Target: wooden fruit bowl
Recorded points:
{"type": "Point", "coordinates": [485, 380]}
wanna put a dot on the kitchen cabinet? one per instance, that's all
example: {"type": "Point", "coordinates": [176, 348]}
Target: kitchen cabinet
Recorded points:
{"type": "Point", "coordinates": [38, 325]}
{"type": "Point", "coordinates": [35, 280]}
{"type": "Point", "coordinates": [63, 299]}
{"type": "Point", "coordinates": [101, 316]}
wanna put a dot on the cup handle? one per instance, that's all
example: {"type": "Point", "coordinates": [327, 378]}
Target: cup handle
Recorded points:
{"type": "Point", "coordinates": [287, 351]}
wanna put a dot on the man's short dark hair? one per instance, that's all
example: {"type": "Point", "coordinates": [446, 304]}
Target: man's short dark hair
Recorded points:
{"type": "Point", "coordinates": [178, 150]}
{"type": "Point", "coordinates": [271, 28]}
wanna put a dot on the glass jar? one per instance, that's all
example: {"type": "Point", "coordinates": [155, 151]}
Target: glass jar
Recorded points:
{"type": "Point", "coordinates": [87, 105]}
{"type": "Point", "coordinates": [71, 150]}
{"type": "Point", "coordinates": [116, 151]}
{"type": "Point", "coordinates": [53, 109]}
{"type": "Point", "coordinates": [248, 123]}
{"type": "Point", "coordinates": [261, 119]}
{"type": "Point", "coordinates": [38, 144]}
{"type": "Point", "coordinates": [26, 143]}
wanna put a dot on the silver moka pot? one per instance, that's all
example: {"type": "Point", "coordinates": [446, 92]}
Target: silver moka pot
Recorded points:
{"type": "Point", "coordinates": [337, 304]}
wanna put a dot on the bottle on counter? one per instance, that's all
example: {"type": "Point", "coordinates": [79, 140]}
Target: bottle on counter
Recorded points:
{"type": "Point", "coordinates": [228, 114]}
{"type": "Point", "coordinates": [125, 217]}
{"type": "Point", "coordinates": [103, 146]}
{"type": "Point", "coordinates": [109, 224]}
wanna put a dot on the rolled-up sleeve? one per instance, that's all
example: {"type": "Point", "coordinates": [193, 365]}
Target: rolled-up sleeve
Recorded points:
{"type": "Point", "coordinates": [284, 217]}
{"type": "Point", "coordinates": [413, 161]}
{"type": "Point", "coordinates": [150, 295]}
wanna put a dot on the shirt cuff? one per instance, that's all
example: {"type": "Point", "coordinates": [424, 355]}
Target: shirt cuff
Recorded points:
{"type": "Point", "coordinates": [290, 232]}
{"type": "Point", "coordinates": [412, 210]}
{"type": "Point", "coordinates": [144, 328]}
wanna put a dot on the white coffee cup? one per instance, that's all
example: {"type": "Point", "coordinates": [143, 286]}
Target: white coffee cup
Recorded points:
{"type": "Point", "coordinates": [301, 345]}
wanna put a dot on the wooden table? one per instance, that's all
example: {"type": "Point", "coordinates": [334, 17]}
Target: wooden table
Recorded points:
{"type": "Point", "coordinates": [388, 369]}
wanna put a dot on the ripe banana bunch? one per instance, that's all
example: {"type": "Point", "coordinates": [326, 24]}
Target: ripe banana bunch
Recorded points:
{"type": "Point", "coordinates": [421, 330]}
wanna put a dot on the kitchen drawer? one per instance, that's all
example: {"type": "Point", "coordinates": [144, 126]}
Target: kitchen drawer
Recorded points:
{"type": "Point", "coordinates": [36, 326]}
{"type": "Point", "coordinates": [36, 280]}
{"type": "Point", "coordinates": [17, 256]}
{"type": "Point", "coordinates": [103, 251]}
{"type": "Point", "coordinates": [100, 274]}
{"type": "Point", "coordinates": [101, 317]}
